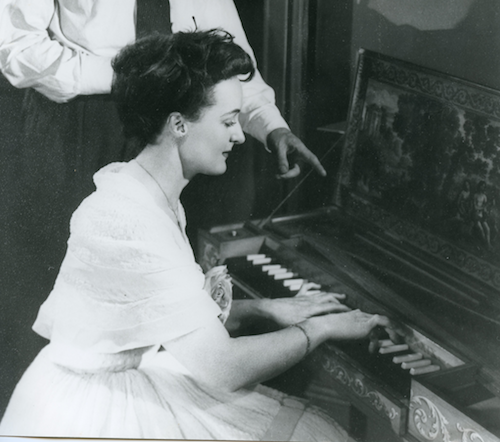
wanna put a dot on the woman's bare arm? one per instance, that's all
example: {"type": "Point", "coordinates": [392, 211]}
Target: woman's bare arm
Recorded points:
{"type": "Point", "coordinates": [226, 363]}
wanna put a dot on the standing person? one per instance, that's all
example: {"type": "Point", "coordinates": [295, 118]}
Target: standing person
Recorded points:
{"type": "Point", "coordinates": [129, 283]}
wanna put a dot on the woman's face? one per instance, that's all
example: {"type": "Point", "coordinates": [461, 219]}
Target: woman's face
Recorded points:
{"type": "Point", "coordinates": [210, 139]}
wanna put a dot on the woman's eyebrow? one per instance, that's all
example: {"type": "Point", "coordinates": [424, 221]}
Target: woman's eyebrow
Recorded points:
{"type": "Point", "coordinates": [235, 111]}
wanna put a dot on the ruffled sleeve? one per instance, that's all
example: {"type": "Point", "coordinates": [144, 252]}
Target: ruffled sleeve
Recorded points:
{"type": "Point", "coordinates": [129, 278]}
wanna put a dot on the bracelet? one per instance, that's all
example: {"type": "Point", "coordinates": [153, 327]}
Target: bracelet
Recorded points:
{"type": "Point", "coordinates": [303, 330]}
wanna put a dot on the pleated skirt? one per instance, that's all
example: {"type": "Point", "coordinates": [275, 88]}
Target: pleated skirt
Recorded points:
{"type": "Point", "coordinates": [152, 401]}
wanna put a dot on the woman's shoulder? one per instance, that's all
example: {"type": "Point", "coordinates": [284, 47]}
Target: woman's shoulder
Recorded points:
{"type": "Point", "coordinates": [119, 208]}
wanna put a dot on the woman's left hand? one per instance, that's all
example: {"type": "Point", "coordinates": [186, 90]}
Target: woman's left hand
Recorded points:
{"type": "Point", "coordinates": [309, 301]}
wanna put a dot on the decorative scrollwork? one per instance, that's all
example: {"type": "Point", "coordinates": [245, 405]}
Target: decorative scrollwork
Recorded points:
{"type": "Point", "coordinates": [430, 84]}
{"type": "Point", "coordinates": [358, 387]}
{"type": "Point", "coordinates": [432, 424]}
{"type": "Point", "coordinates": [469, 435]}
{"type": "Point", "coordinates": [428, 419]}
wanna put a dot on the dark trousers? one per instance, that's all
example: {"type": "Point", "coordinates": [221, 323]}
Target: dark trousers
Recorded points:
{"type": "Point", "coordinates": [63, 145]}
{"type": "Point", "coordinates": [49, 152]}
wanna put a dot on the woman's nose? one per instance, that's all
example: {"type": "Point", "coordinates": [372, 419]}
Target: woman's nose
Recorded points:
{"type": "Point", "coordinates": [238, 137]}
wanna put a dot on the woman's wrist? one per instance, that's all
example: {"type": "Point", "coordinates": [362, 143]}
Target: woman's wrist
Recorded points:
{"type": "Point", "coordinates": [306, 336]}
{"type": "Point", "coordinates": [264, 308]}
{"type": "Point", "coordinates": [315, 330]}
{"type": "Point", "coordinates": [320, 328]}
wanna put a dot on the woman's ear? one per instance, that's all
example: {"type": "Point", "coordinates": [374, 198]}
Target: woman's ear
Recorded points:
{"type": "Point", "coordinates": [177, 124]}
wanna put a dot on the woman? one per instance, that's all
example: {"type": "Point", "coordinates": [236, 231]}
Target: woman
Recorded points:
{"type": "Point", "coordinates": [129, 283]}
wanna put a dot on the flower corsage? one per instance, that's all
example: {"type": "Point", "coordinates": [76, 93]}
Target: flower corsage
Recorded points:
{"type": "Point", "coordinates": [219, 286]}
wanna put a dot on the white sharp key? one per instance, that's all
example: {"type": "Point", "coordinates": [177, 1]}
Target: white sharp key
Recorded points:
{"type": "Point", "coordinates": [407, 358]}
{"type": "Point", "coordinates": [423, 370]}
{"type": "Point", "coordinates": [268, 267]}
{"type": "Point", "coordinates": [286, 275]}
{"type": "Point", "coordinates": [385, 343]}
{"type": "Point", "coordinates": [290, 282]}
{"type": "Point", "coordinates": [393, 349]}
{"type": "Point", "coordinates": [259, 261]}
{"type": "Point", "coordinates": [277, 271]}
{"type": "Point", "coordinates": [415, 364]}
{"type": "Point", "coordinates": [255, 256]}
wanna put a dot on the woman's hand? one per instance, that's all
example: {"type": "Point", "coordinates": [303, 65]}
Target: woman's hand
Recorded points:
{"type": "Point", "coordinates": [355, 324]}
{"type": "Point", "coordinates": [308, 302]}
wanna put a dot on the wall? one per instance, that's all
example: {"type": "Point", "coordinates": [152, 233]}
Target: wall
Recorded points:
{"type": "Point", "coordinates": [331, 24]}
{"type": "Point", "coordinates": [470, 50]}
{"type": "Point", "coordinates": [306, 59]}
{"type": "Point", "coordinates": [328, 91]}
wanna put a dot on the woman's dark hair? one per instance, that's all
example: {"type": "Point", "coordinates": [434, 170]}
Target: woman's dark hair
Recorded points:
{"type": "Point", "coordinates": [161, 74]}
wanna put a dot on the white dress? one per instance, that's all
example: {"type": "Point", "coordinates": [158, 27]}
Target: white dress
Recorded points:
{"type": "Point", "coordinates": [128, 283]}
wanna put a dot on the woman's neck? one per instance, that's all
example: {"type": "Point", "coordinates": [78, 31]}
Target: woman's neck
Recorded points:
{"type": "Point", "coordinates": [162, 177]}
{"type": "Point", "coordinates": [164, 167]}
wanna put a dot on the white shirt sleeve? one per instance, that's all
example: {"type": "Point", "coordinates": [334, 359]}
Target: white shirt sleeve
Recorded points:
{"type": "Point", "coordinates": [259, 115]}
{"type": "Point", "coordinates": [29, 57]}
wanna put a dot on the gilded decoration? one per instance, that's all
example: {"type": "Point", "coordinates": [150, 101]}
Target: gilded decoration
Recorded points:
{"type": "Point", "coordinates": [357, 385]}
{"type": "Point", "coordinates": [432, 424]}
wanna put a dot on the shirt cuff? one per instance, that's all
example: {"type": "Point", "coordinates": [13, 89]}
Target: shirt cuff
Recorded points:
{"type": "Point", "coordinates": [260, 123]}
{"type": "Point", "coordinates": [96, 75]}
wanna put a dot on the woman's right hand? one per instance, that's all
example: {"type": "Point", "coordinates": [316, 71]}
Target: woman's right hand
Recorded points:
{"type": "Point", "coordinates": [355, 324]}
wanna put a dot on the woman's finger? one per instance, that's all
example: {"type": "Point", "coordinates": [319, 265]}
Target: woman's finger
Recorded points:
{"type": "Point", "coordinates": [335, 295]}
{"type": "Point", "coordinates": [390, 327]}
{"type": "Point", "coordinates": [320, 296]}
{"type": "Point", "coordinates": [322, 309]}
{"type": "Point", "coordinates": [307, 288]}
{"type": "Point", "coordinates": [313, 292]}
{"type": "Point", "coordinates": [332, 297]}
{"type": "Point", "coordinates": [381, 320]}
